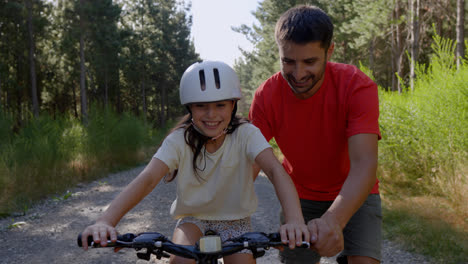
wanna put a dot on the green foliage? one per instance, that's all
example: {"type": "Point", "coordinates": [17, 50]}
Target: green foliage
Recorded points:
{"type": "Point", "coordinates": [364, 30]}
{"type": "Point", "coordinates": [65, 196]}
{"type": "Point", "coordinates": [115, 139]}
{"type": "Point", "coordinates": [128, 46]}
{"type": "Point", "coordinates": [263, 61]}
{"type": "Point", "coordinates": [6, 124]}
{"type": "Point", "coordinates": [424, 132]}
{"type": "Point", "coordinates": [47, 155]}
{"type": "Point", "coordinates": [5, 146]}
{"type": "Point", "coordinates": [155, 52]}
{"type": "Point", "coordinates": [33, 156]}
{"type": "Point", "coordinates": [131, 48]}
{"type": "Point", "coordinates": [39, 143]}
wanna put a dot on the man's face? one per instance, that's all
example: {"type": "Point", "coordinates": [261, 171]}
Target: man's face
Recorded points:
{"type": "Point", "coordinates": [303, 66]}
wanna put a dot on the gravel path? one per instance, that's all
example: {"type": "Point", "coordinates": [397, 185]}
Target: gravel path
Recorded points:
{"type": "Point", "coordinates": [47, 233]}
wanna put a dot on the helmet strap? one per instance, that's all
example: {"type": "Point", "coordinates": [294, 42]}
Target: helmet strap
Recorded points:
{"type": "Point", "coordinates": [220, 134]}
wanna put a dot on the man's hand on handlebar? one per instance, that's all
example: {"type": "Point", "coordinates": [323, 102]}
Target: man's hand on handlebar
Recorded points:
{"type": "Point", "coordinates": [101, 233]}
{"type": "Point", "coordinates": [326, 236]}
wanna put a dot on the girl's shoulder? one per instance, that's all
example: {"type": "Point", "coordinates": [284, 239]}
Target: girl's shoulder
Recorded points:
{"type": "Point", "coordinates": [246, 129]}
{"type": "Point", "coordinates": [176, 134]}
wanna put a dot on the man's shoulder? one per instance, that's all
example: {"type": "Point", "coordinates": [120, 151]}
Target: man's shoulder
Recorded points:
{"type": "Point", "coordinates": [270, 88]}
{"type": "Point", "coordinates": [275, 81]}
{"type": "Point", "coordinates": [341, 72]}
{"type": "Point", "coordinates": [344, 69]}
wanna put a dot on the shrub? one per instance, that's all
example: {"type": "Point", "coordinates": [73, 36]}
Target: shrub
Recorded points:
{"type": "Point", "coordinates": [424, 145]}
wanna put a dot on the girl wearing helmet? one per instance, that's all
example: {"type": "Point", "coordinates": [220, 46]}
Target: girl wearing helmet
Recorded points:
{"type": "Point", "coordinates": [210, 154]}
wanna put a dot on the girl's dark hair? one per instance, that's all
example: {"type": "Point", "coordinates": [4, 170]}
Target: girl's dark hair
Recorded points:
{"type": "Point", "coordinates": [196, 141]}
{"type": "Point", "coordinates": [303, 24]}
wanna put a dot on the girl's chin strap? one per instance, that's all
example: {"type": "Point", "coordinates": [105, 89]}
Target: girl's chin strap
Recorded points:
{"type": "Point", "coordinates": [213, 138]}
{"type": "Point", "coordinates": [220, 134]}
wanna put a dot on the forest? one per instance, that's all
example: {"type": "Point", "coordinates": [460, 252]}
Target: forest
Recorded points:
{"type": "Point", "coordinates": [85, 87]}
{"type": "Point", "coordinates": [391, 38]}
{"type": "Point", "coordinates": [90, 87]}
{"type": "Point", "coordinates": [58, 57]}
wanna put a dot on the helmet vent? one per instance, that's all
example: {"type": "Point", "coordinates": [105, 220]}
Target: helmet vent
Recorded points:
{"type": "Point", "coordinates": [201, 73]}
{"type": "Point", "coordinates": [216, 76]}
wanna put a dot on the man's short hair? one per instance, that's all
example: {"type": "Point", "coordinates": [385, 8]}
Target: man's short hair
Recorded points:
{"type": "Point", "coordinates": [303, 24]}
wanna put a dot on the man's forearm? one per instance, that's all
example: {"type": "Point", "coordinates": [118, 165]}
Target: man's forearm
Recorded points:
{"type": "Point", "coordinates": [352, 195]}
{"type": "Point", "coordinates": [361, 178]}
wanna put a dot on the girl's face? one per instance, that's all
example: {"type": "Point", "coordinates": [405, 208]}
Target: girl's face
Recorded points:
{"type": "Point", "coordinates": [212, 118]}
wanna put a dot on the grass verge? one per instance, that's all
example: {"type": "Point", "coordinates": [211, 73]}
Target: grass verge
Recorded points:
{"type": "Point", "coordinates": [428, 226]}
{"type": "Point", "coordinates": [47, 156]}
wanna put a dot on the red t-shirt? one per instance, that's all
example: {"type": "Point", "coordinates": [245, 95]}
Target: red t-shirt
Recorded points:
{"type": "Point", "coordinates": [313, 133]}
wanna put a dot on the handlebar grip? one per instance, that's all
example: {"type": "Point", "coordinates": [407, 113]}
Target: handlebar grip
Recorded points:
{"type": "Point", "coordinates": [80, 242]}
{"type": "Point", "coordinates": [120, 239]}
{"type": "Point", "coordinates": [276, 237]}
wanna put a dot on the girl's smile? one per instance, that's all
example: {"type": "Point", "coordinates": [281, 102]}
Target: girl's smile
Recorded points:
{"type": "Point", "coordinates": [212, 118]}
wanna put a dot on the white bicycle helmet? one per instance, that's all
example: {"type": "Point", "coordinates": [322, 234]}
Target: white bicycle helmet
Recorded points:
{"type": "Point", "coordinates": [209, 81]}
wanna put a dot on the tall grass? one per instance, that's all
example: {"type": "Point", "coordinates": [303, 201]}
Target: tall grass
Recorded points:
{"type": "Point", "coordinates": [49, 155]}
{"type": "Point", "coordinates": [424, 146]}
{"type": "Point", "coordinates": [115, 140]}
{"type": "Point", "coordinates": [423, 159]}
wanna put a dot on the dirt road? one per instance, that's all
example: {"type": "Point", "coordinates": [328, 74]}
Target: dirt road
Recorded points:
{"type": "Point", "coordinates": [47, 233]}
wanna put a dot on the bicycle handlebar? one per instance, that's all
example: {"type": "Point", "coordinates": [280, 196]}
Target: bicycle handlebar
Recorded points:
{"type": "Point", "coordinates": [158, 244]}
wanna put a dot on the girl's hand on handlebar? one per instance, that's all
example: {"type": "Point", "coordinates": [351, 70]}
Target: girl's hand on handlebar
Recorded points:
{"type": "Point", "coordinates": [294, 233]}
{"type": "Point", "coordinates": [101, 233]}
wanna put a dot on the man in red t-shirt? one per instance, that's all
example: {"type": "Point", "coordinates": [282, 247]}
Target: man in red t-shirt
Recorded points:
{"type": "Point", "coordinates": [324, 118]}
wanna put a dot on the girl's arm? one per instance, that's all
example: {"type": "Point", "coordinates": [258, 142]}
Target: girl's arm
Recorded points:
{"type": "Point", "coordinates": [295, 229]}
{"type": "Point", "coordinates": [124, 202]}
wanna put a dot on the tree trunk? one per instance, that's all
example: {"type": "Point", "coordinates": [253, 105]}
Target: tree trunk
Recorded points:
{"type": "Point", "coordinates": [75, 106]}
{"type": "Point", "coordinates": [119, 100]}
{"type": "Point", "coordinates": [460, 31]}
{"type": "Point", "coordinates": [20, 61]}
{"type": "Point", "coordinates": [414, 24]}
{"type": "Point", "coordinates": [106, 88]}
{"type": "Point", "coordinates": [19, 109]}
{"type": "Point", "coordinates": [7, 106]}
{"type": "Point", "coordinates": [143, 69]}
{"type": "Point", "coordinates": [394, 53]}
{"type": "Point", "coordinates": [398, 46]}
{"type": "Point", "coordinates": [344, 46]}
{"type": "Point", "coordinates": [84, 106]}
{"type": "Point", "coordinates": [398, 49]}
{"type": "Point", "coordinates": [0, 93]}
{"type": "Point", "coordinates": [163, 113]}
{"type": "Point", "coordinates": [32, 64]}
{"type": "Point", "coordinates": [371, 55]}
{"type": "Point", "coordinates": [143, 99]}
